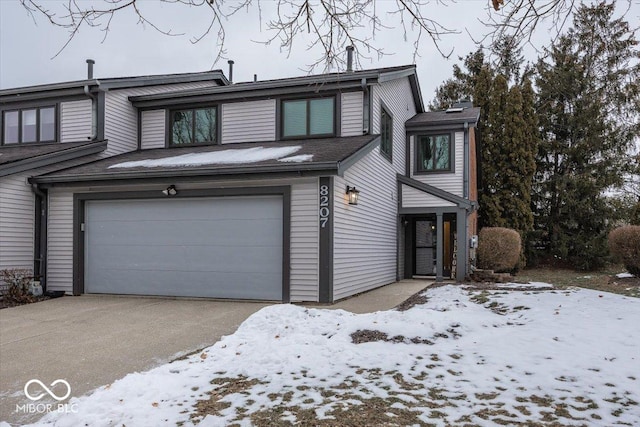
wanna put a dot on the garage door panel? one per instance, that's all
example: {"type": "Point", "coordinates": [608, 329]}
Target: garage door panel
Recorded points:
{"type": "Point", "coordinates": [228, 247]}
{"type": "Point", "coordinates": [224, 232]}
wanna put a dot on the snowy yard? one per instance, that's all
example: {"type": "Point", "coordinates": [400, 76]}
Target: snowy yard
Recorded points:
{"type": "Point", "coordinates": [457, 357]}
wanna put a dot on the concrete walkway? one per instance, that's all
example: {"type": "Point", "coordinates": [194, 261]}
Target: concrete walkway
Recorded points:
{"type": "Point", "coordinates": [90, 341]}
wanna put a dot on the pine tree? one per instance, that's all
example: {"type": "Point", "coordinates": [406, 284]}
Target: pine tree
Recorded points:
{"type": "Point", "coordinates": [587, 106]}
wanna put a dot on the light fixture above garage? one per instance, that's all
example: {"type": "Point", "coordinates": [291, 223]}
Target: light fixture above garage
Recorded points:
{"type": "Point", "coordinates": [353, 195]}
{"type": "Point", "coordinates": [170, 191]}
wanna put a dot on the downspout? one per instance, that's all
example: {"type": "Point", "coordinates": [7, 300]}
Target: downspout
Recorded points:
{"type": "Point", "coordinates": [465, 189]}
{"type": "Point", "coordinates": [366, 110]}
{"type": "Point", "coordinates": [94, 113]}
{"type": "Point", "coordinates": [466, 193]}
{"type": "Point", "coordinates": [40, 235]}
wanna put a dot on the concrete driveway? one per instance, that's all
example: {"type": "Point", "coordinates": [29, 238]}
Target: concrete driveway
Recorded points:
{"type": "Point", "coordinates": [90, 341]}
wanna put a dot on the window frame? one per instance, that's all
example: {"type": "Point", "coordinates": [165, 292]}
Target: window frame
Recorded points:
{"type": "Point", "coordinates": [385, 111]}
{"type": "Point", "coordinates": [308, 100]}
{"type": "Point", "coordinates": [417, 168]}
{"type": "Point", "coordinates": [192, 110]}
{"type": "Point", "coordinates": [19, 111]}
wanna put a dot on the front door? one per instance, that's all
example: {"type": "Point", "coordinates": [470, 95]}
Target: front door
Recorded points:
{"type": "Point", "coordinates": [425, 250]}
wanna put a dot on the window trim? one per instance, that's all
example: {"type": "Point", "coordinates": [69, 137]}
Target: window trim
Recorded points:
{"type": "Point", "coordinates": [192, 110]}
{"type": "Point", "coordinates": [307, 135]}
{"type": "Point", "coordinates": [417, 170]}
{"type": "Point", "coordinates": [385, 110]}
{"type": "Point", "coordinates": [56, 125]}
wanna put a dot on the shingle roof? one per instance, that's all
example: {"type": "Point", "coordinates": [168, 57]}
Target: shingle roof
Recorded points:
{"type": "Point", "coordinates": [328, 154]}
{"type": "Point", "coordinates": [20, 157]}
{"type": "Point", "coordinates": [469, 115]}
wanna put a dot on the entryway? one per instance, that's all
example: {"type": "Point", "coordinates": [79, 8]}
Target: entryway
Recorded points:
{"type": "Point", "coordinates": [421, 246]}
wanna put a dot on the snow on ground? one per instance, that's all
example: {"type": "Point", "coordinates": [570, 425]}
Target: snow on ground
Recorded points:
{"type": "Point", "coordinates": [624, 275]}
{"type": "Point", "coordinates": [538, 285]}
{"type": "Point", "coordinates": [464, 356]}
{"type": "Point", "coordinates": [224, 157]}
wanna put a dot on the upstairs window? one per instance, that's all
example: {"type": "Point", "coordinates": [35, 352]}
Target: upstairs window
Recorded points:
{"type": "Point", "coordinates": [308, 117]}
{"type": "Point", "coordinates": [29, 125]}
{"type": "Point", "coordinates": [386, 133]}
{"type": "Point", "coordinates": [195, 126]}
{"type": "Point", "coordinates": [433, 153]}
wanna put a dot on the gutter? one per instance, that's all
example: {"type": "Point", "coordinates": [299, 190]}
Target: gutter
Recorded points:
{"type": "Point", "coordinates": [40, 235]}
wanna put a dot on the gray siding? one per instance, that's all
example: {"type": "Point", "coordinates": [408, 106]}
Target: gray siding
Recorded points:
{"type": "Point", "coordinates": [121, 118]}
{"type": "Point", "coordinates": [153, 129]}
{"type": "Point", "coordinates": [451, 182]}
{"type": "Point", "coordinates": [249, 121]}
{"type": "Point", "coordinates": [16, 222]}
{"type": "Point", "coordinates": [75, 121]}
{"type": "Point", "coordinates": [304, 233]}
{"type": "Point", "coordinates": [351, 121]}
{"type": "Point", "coordinates": [398, 98]}
{"type": "Point", "coordinates": [413, 198]}
{"type": "Point", "coordinates": [365, 238]}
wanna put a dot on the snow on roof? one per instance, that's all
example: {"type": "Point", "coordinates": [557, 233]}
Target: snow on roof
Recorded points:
{"type": "Point", "coordinates": [297, 159]}
{"type": "Point", "coordinates": [225, 157]}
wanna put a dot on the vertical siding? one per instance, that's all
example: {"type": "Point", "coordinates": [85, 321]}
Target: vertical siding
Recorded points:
{"type": "Point", "coordinates": [249, 121]}
{"type": "Point", "coordinates": [121, 118]}
{"type": "Point", "coordinates": [153, 129]}
{"type": "Point", "coordinates": [75, 121]}
{"type": "Point", "coordinates": [451, 182]}
{"type": "Point", "coordinates": [365, 238]}
{"type": "Point", "coordinates": [17, 215]}
{"type": "Point", "coordinates": [413, 198]}
{"type": "Point", "coordinates": [304, 242]}
{"type": "Point", "coordinates": [398, 98]}
{"type": "Point", "coordinates": [351, 121]}
{"type": "Point", "coordinates": [60, 241]}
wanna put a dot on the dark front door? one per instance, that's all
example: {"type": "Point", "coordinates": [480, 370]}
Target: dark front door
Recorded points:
{"type": "Point", "coordinates": [425, 247]}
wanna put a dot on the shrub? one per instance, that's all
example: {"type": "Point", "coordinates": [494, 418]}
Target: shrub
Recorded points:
{"type": "Point", "coordinates": [624, 244]}
{"type": "Point", "coordinates": [499, 249]}
{"type": "Point", "coordinates": [17, 282]}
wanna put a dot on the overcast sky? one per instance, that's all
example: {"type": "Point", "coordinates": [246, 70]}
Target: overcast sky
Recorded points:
{"type": "Point", "coordinates": [27, 47]}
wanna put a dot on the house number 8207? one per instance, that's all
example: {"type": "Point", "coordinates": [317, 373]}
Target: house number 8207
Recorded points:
{"type": "Point", "coordinates": [324, 206]}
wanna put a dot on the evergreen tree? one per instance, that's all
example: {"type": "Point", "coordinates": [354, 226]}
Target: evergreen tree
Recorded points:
{"type": "Point", "coordinates": [587, 107]}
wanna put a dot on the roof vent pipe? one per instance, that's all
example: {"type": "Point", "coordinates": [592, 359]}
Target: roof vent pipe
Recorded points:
{"type": "Point", "coordinates": [349, 59]}
{"type": "Point", "coordinates": [230, 62]}
{"type": "Point", "coordinates": [255, 78]}
{"type": "Point", "coordinates": [90, 63]}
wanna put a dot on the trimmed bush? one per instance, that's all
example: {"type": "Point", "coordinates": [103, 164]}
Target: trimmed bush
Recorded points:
{"type": "Point", "coordinates": [499, 249]}
{"type": "Point", "coordinates": [624, 244]}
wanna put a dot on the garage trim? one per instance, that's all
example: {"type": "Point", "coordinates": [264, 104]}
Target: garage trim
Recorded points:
{"type": "Point", "coordinates": [79, 200]}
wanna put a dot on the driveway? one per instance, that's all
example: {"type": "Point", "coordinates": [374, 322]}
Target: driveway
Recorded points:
{"type": "Point", "coordinates": [90, 341]}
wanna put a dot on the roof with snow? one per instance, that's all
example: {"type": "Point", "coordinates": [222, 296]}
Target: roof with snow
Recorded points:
{"type": "Point", "coordinates": [299, 157]}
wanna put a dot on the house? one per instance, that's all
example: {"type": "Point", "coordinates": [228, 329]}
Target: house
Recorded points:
{"type": "Point", "coordinates": [311, 188]}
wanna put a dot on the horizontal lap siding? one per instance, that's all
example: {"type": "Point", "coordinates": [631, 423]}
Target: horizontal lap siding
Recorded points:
{"type": "Point", "coordinates": [304, 242]}
{"type": "Point", "coordinates": [351, 120]}
{"type": "Point", "coordinates": [60, 241]}
{"type": "Point", "coordinates": [412, 198]}
{"type": "Point", "coordinates": [304, 233]}
{"type": "Point", "coordinates": [16, 222]}
{"type": "Point", "coordinates": [452, 181]}
{"type": "Point", "coordinates": [153, 129]}
{"type": "Point", "coordinates": [121, 118]}
{"type": "Point", "coordinates": [249, 121]}
{"type": "Point", "coordinates": [75, 121]}
{"type": "Point", "coordinates": [364, 248]}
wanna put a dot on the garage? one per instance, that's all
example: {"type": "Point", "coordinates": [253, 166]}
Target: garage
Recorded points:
{"type": "Point", "coordinates": [217, 247]}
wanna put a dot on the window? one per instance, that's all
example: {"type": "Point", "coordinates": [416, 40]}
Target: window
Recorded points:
{"type": "Point", "coordinates": [197, 126]}
{"type": "Point", "coordinates": [386, 133]}
{"type": "Point", "coordinates": [433, 153]}
{"type": "Point", "coordinates": [308, 117]}
{"type": "Point", "coordinates": [29, 125]}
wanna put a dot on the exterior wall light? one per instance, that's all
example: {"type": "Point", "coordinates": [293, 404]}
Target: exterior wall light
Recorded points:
{"type": "Point", "coordinates": [352, 194]}
{"type": "Point", "coordinates": [170, 191]}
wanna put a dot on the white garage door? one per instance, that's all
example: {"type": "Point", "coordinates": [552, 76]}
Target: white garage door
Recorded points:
{"type": "Point", "coordinates": [221, 247]}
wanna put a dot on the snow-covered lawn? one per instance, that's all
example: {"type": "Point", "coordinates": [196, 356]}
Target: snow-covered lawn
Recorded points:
{"type": "Point", "coordinates": [479, 357]}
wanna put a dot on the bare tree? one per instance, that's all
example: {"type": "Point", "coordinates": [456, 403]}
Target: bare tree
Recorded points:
{"type": "Point", "coordinates": [331, 24]}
